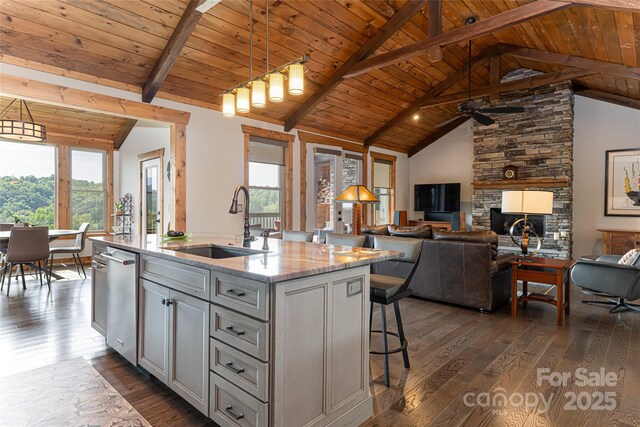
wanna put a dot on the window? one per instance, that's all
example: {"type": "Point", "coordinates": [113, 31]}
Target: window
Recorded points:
{"type": "Point", "coordinates": [266, 178]}
{"type": "Point", "coordinates": [383, 187]}
{"type": "Point", "coordinates": [27, 183]}
{"type": "Point", "coordinates": [88, 190]}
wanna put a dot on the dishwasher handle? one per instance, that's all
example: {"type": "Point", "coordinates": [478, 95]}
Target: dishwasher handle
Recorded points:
{"type": "Point", "coordinates": [121, 261]}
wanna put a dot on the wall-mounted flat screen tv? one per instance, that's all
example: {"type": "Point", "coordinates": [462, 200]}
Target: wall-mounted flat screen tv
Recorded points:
{"type": "Point", "coordinates": [437, 197]}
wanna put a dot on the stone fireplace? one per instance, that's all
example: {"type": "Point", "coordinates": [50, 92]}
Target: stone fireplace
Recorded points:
{"type": "Point", "coordinates": [539, 143]}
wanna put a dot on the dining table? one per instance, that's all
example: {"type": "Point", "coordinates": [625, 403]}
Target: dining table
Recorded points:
{"type": "Point", "coordinates": [53, 235]}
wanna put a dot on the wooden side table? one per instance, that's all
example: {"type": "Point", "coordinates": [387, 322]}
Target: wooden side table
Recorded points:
{"type": "Point", "coordinates": [542, 270]}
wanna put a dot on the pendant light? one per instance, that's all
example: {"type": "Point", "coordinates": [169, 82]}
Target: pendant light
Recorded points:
{"type": "Point", "coordinates": [228, 104]}
{"type": "Point", "coordinates": [258, 97]}
{"type": "Point", "coordinates": [296, 79]}
{"type": "Point", "coordinates": [276, 87]}
{"type": "Point", "coordinates": [242, 100]}
{"type": "Point", "coordinates": [21, 130]}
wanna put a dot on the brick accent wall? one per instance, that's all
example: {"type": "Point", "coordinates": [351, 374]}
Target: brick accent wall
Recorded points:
{"type": "Point", "coordinates": [540, 143]}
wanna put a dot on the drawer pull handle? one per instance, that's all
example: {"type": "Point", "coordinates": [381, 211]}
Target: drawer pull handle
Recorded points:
{"type": "Point", "coordinates": [229, 410]}
{"type": "Point", "coordinates": [233, 369]}
{"type": "Point", "coordinates": [233, 331]}
{"type": "Point", "coordinates": [234, 293]}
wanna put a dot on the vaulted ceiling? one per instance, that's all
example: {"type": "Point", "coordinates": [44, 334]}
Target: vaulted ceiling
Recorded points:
{"type": "Point", "coordinates": [118, 43]}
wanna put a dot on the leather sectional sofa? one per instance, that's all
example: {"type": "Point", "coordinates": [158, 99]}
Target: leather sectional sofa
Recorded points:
{"type": "Point", "coordinates": [458, 267]}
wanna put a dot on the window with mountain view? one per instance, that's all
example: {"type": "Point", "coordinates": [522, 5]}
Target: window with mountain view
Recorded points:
{"type": "Point", "coordinates": [88, 192]}
{"type": "Point", "coordinates": [27, 183]}
{"type": "Point", "coordinates": [266, 183]}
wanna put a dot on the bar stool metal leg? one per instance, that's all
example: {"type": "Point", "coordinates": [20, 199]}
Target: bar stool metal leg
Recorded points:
{"type": "Point", "coordinates": [385, 345]}
{"type": "Point", "coordinates": [403, 341]}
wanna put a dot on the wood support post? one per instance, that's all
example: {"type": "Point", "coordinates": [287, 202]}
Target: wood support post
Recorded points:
{"type": "Point", "coordinates": [178, 183]}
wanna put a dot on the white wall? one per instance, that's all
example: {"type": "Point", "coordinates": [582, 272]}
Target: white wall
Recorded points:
{"type": "Point", "coordinates": [215, 158]}
{"type": "Point", "coordinates": [599, 126]}
{"type": "Point", "coordinates": [449, 159]}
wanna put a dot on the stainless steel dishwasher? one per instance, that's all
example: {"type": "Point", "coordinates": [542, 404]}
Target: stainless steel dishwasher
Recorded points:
{"type": "Point", "coordinates": [122, 300]}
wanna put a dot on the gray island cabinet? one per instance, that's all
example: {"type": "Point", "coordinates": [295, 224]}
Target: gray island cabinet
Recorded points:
{"type": "Point", "coordinates": [254, 338]}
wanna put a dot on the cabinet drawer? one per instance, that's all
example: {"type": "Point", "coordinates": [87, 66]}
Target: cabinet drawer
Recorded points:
{"type": "Point", "coordinates": [244, 371]}
{"type": "Point", "coordinates": [229, 405]}
{"type": "Point", "coordinates": [241, 332]}
{"type": "Point", "coordinates": [181, 277]}
{"type": "Point", "coordinates": [246, 296]}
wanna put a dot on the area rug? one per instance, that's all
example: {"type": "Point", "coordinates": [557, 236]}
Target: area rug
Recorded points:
{"type": "Point", "coordinates": [69, 393]}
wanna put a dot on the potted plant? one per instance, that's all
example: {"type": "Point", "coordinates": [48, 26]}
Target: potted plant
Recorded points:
{"type": "Point", "coordinates": [120, 205]}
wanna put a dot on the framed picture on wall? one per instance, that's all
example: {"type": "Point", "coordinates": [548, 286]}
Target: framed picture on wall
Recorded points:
{"type": "Point", "coordinates": [622, 179]}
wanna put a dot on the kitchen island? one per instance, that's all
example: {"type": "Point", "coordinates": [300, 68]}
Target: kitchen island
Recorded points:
{"type": "Point", "coordinates": [250, 337]}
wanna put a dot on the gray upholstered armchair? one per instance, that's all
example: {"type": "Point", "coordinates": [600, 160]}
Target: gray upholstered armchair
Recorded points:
{"type": "Point", "coordinates": [605, 277]}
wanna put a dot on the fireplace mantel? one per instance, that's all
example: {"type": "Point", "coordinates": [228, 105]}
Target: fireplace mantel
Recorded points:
{"type": "Point", "coordinates": [520, 184]}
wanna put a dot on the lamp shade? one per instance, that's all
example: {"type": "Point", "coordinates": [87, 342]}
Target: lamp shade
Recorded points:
{"type": "Point", "coordinates": [228, 105]}
{"type": "Point", "coordinates": [21, 130]}
{"type": "Point", "coordinates": [258, 94]}
{"type": "Point", "coordinates": [527, 202]}
{"type": "Point", "coordinates": [242, 100]}
{"type": "Point", "coordinates": [296, 79]}
{"type": "Point", "coordinates": [276, 87]}
{"type": "Point", "coordinates": [357, 194]}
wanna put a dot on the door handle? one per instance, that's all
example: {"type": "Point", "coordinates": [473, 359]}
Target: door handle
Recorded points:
{"type": "Point", "coordinates": [234, 293]}
{"type": "Point", "coordinates": [233, 369]}
{"type": "Point", "coordinates": [229, 410]}
{"type": "Point", "coordinates": [121, 261]}
{"type": "Point", "coordinates": [233, 331]}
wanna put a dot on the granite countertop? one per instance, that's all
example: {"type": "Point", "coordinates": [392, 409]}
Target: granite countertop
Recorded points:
{"type": "Point", "coordinates": [284, 260]}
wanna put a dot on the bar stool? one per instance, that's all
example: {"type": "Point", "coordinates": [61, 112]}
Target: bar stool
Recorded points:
{"type": "Point", "coordinates": [387, 290]}
{"type": "Point", "coordinates": [297, 236]}
{"type": "Point", "coordinates": [345, 240]}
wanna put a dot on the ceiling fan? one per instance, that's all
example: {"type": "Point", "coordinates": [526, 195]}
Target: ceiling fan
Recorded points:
{"type": "Point", "coordinates": [474, 109]}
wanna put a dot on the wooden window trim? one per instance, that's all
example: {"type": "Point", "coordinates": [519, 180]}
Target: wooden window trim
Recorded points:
{"type": "Point", "coordinates": [288, 138]}
{"type": "Point", "coordinates": [391, 159]}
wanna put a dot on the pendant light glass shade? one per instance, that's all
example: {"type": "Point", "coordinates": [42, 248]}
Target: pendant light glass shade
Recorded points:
{"type": "Point", "coordinates": [258, 94]}
{"type": "Point", "coordinates": [242, 100]}
{"type": "Point", "coordinates": [276, 87]}
{"type": "Point", "coordinates": [296, 79]}
{"type": "Point", "coordinates": [228, 105]}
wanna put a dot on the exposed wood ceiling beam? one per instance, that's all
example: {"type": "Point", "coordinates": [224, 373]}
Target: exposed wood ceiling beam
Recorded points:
{"type": "Point", "coordinates": [462, 34]}
{"type": "Point", "coordinates": [178, 39]}
{"type": "Point", "coordinates": [435, 28]}
{"type": "Point", "coordinates": [434, 92]}
{"type": "Point", "coordinates": [123, 133]}
{"type": "Point", "coordinates": [621, 5]}
{"type": "Point", "coordinates": [437, 135]}
{"type": "Point", "coordinates": [603, 67]}
{"type": "Point", "coordinates": [391, 26]}
{"type": "Point", "coordinates": [520, 84]}
{"type": "Point", "coordinates": [608, 97]}
{"type": "Point", "coordinates": [494, 77]}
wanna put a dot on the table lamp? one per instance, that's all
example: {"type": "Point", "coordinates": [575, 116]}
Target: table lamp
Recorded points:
{"type": "Point", "coordinates": [357, 194]}
{"type": "Point", "coordinates": [526, 202]}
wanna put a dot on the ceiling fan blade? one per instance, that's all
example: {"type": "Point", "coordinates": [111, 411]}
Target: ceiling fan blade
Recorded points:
{"type": "Point", "coordinates": [482, 119]}
{"type": "Point", "coordinates": [501, 110]}
{"type": "Point", "coordinates": [447, 121]}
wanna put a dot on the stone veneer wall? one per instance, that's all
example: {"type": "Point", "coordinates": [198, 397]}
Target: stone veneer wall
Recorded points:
{"type": "Point", "coordinates": [540, 143]}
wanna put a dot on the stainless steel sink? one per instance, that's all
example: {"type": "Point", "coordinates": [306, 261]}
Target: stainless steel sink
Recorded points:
{"type": "Point", "coordinates": [219, 252]}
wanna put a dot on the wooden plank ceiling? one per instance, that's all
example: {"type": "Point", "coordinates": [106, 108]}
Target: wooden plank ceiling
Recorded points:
{"type": "Point", "coordinates": [71, 123]}
{"type": "Point", "coordinates": [118, 43]}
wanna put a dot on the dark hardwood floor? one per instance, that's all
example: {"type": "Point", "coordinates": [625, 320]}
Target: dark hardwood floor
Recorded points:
{"type": "Point", "coordinates": [453, 352]}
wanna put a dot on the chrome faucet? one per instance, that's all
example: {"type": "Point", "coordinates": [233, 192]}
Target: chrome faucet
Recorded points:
{"type": "Point", "coordinates": [246, 236]}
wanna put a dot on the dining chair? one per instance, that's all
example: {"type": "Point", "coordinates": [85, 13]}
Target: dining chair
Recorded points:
{"type": "Point", "coordinates": [4, 226]}
{"type": "Point", "coordinates": [74, 250]}
{"type": "Point", "coordinates": [297, 236]}
{"type": "Point", "coordinates": [27, 245]}
{"type": "Point", "coordinates": [345, 240]}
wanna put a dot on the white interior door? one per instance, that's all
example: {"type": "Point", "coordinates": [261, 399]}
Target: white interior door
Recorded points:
{"type": "Point", "coordinates": [151, 200]}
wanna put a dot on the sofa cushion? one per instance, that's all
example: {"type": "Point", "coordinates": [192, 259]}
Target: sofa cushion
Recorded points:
{"type": "Point", "coordinates": [470, 236]}
{"type": "Point", "coordinates": [378, 230]}
{"type": "Point", "coordinates": [417, 231]}
{"type": "Point", "coordinates": [385, 286]}
{"type": "Point", "coordinates": [630, 257]}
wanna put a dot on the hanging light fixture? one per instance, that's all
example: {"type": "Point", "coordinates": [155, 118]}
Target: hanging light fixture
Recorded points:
{"type": "Point", "coordinates": [296, 79]}
{"type": "Point", "coordinates": [21, 130]}
{"type": "Point", "coordinates": [228, 104]}
{"type": "Point", "coordinates": [274, 78]}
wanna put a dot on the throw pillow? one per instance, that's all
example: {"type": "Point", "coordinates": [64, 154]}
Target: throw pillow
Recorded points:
{"type": "Point", "coordinates": [630, 257]}
{"type": "Point", "coordinates": [417, 231]}
{"type": "Point", "coordinates": [378, 230]}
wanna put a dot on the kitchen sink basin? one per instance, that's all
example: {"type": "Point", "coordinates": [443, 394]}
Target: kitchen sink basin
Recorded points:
{"type": "Point", "coordinates": [219, 252]}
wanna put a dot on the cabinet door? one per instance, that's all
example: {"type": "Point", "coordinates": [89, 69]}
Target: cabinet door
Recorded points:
{"type": "Point", "coordinates": [189, 349]}
{"type": "Point", "coordinates": [153, 338]}
{"type": "Point", "coordinates": [99, 298]}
